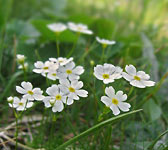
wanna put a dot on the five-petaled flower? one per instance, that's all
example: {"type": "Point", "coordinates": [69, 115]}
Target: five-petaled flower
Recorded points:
{"type": "Point", "coordinates": [138, 79]}
{"type": "Point", "coordinates": [30, 93]}
{"type": "Point", "coordinates": [107, 72]}
{"type": "Point", "coordinates": [55, 98]}
{"type": "Point", "coordinates": [20, 104]}
{"type": "Point", "coordinates": [80, 28]}
{"type": "Point", "coordinates": [73, 90]}
{"type": "Point", "coordinates": [105, 42]}
{"type": "Point", "coordinates": [115, 101]}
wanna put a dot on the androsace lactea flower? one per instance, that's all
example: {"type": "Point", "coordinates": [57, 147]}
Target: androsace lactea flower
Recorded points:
{"type": "Point", "coordinates": [80, 28]}
{"type": "Point", "coordinates": [105, 42]}
{"type": "Point", "coordinates": [30, 93]}
{"type": "Point", "coordinates": [20, 58]}
{"type": "Point", "coordinates": [107, 72]}
{"type": "Point", "coordinates": [19, 104]}
{"type": "Point", "coordinates": [70, 71]}
{"type": "Point", "coordinates": [115, 101]}
{"type": "Point", "coordinates": [73, 90]}
{"type": "Point", "coordinates": [55, 98]}
{"type": "Point", "coordinates": [138, 79]}
{"type": "Point", "coordinates": [57, 27]}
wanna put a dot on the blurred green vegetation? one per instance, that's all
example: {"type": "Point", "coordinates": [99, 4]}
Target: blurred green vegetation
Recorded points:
{"type": "Point", "coordinates": [140, 28]}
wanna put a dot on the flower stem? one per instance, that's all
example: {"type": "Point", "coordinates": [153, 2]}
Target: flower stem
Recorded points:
{"type": "Point", "coordinates": [57, 45]}
{"type": "Point", "coordinates": [24, 71]}
{"type": "Point", "coordinates": [16, 133]}
{"type": "Point", "coordinates": [74, 45]}
{"type": "Point", "coordinates": [102, 58]}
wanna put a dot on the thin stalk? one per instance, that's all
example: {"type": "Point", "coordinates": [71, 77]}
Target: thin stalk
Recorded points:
{"type": "Point", "coordinates": [131, 91]}
{"type": "Point", "coordinates": [74, 45]}
{"type": "Point", "coordinates": [37, 54]}
{"type": "Point", "coordinates": [57, 45]}
{"type": "Point", "coordinates": [16, 134]}
{"type": "Point", "coordinates": [103, 51]}
{"type": "Point", "coordinates": [108, 138]}
{"type": "Point", "coordinates": [24, 71]}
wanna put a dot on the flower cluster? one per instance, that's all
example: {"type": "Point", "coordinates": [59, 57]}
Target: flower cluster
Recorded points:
{"type": "Point", "coordinates": [69, 87]}
{"type": "Point", "coordinates": [108, 73]}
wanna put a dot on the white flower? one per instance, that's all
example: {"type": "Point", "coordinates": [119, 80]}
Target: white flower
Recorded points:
{"type": "Point", "coordinates": [72, 90]}
{"type": "Point", "coordinates": [57, 27]}
{"type": "Point", "coordinates": [70, 71]}
{"type": "Point", "coordinates": [55, 98]}
{"type": "Point", "coordinates": [105, 42]}
{"type": "Point", "coordinates": [24, 66]}
{"type": "Point", "coordinates": [54, 75]}
{"type": "Point", "coordinates": [20, 104]}
{"type": "Point", "coordinates": [20, 58]}
{"type": "Point", "coordinates": [62, 61]}
{"type": "Point", "coordinates": [30, 93]}
{"type": "Point", "coordinates": [44, 68]}
{"type": "Point", "coordinates": [81, 28]}
{"type": "Point", "coordinates": [107, 72]}
{"type": "Point", "coordinates": [10, 101]}
{"type": "Point", "coordinates": [115, 101]}
{"type": "Point", "coordinates": [138, 79]}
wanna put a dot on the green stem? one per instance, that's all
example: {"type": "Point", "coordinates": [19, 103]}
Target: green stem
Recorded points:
{"type": "Point", "coordinates": [74, 45]}
{"type": "Point", "coordinates": [24, 71]}
{"type": "Point", "coordinates": [16, 134]}
{"type": "Point", "coordinates": [37, 54]}
{"type": "Point", "coordinates": [58, 49]}
{"type": "Point", "coordinates": [103, 51]}
{"type": "Point", "coordinates": [131, 91]}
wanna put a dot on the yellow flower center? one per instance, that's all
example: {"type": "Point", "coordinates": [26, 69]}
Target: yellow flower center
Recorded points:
{"type": "Point", "coordinates": [104, 45]}
{"type": "Point", "coordinates": [30, 92]}
{"type": "Point", "coordinates": [69, 71]}
{"type": "Point", "coordinates": [54, 74]}
{"type": "Point", "coordinates": [71, 89]}
{"type": "Point", "coordinates": [114, 101]}
{"type": "Point", "coordinates": [20, 104]}
{"type": "Point", "coordinates": [45, 68]}
{"type": "Point", "coordinates": [137, 78]}
{"type": "Point", "coordinates": [106, 76]}
{"type": "Point", "coordinates": [58, 97]}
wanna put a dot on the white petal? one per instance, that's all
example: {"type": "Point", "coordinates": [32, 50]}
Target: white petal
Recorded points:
{"type": "Point", "coordinates": [138, 84]}
{"type": "Point", "coordinates": [70, 65]}
{"type": "Point", "coordinates": [110, 91]}
{"type": "Point", "coordinates": [38, 97]}
{"type": "Point", "coordinates": [82, 93]}
{"type": "Point", "coordinates": [46, 101]}
{"type": "Point", "coordinates": [107, 101]}
{"type": "Point", "coordinates": [20, 90]}
{"type": "Point", "coordinates": [148, 83]}
{"type": "Point", "coordinates": [58, 106]}
{"type": "Point", "coordinates": [28, 96]}
{"type": "Point", "coordinates": [124, 106]}
{"type": "Point", "coordinates": [115, 109]}
{"type": "Point", "coordinates": [20, 108]}
{"type": "Point", "coordinates": [69, 101]}
{"type": "Point", "coordinates": [106, 81]}
{"type": "Point", "coordinates": [130, 69]}
{"type": "Point", "coordinates": [37, 70]}
{"type": "Point", "coordinates": [127, 76]}
{"type": "Point", "coordinates": [143, 75]}
{"type": "Point", "coordinates": [78, 70]}
{"type": "Point", "coordinates": [65, 82]}
{"type": "Point", "coordinates": [29, 104]}
{"type": "Point", "coordinates": [39, 64]}
{"type": "Point", "coordinates": [77, 84]}
{"type": "Point", "coordinates": [73, 77]}
{"type": "Point", "coordinates": [53, 90]}
{"type": "Point", "coordinates": [27, 85]}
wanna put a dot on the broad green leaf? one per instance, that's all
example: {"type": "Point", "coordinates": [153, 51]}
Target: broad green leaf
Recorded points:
{"type": "Point", "coordinates": [94, 128]}
{"type": "Point", "coordinates": [153, 110]}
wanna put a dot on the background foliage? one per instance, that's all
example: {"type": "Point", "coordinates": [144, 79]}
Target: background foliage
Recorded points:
{"type": "Point", "coordinates": [140, 29]}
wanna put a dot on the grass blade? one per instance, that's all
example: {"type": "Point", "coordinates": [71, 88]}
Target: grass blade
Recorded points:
{"type": "Point", "coordinates": [154, 142]}
{"type": "Point", "coordinates": [94, 128]}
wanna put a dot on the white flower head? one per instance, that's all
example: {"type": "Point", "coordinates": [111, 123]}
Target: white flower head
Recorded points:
{"type": "Point", "coordinates": [57, 27]}
{"type": "Point", "coordinates": [61, 61]}
{"type": "Point", "coordinates": [10, 100]}
{"type": "Point", "coordinates": [44, 68]}
{"type": "Point", "coordinates": [55, 98]}
{"type": "Point", "coordinates": [29, 93]}
{"type": "Point", "coordinates": [70, 71]}
{"type": "Point", "coordinates": [20, 104]}
{"type": "Point", "coordinates": [24, 66]}
{"type": "Point", "coordinates": [107, 72]}
{"type": "Point", "coordinates": [115, 102]}
{"type": "Point", "coordinates": [80, 28]}
{"type": "Point", "coordinates": [72, 90]}
{"type": "Point", "coordinates": [105, 42]}
{"type": "Point", "coordinates": [20, 58]}
{"type": "Point", "coordinates": [138, 79]}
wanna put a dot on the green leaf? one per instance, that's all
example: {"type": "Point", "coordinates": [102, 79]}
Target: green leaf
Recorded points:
{"type": "Point", "coordinates": [94, 128]}
{"type": "Point", "coordinates": [153, 110]}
